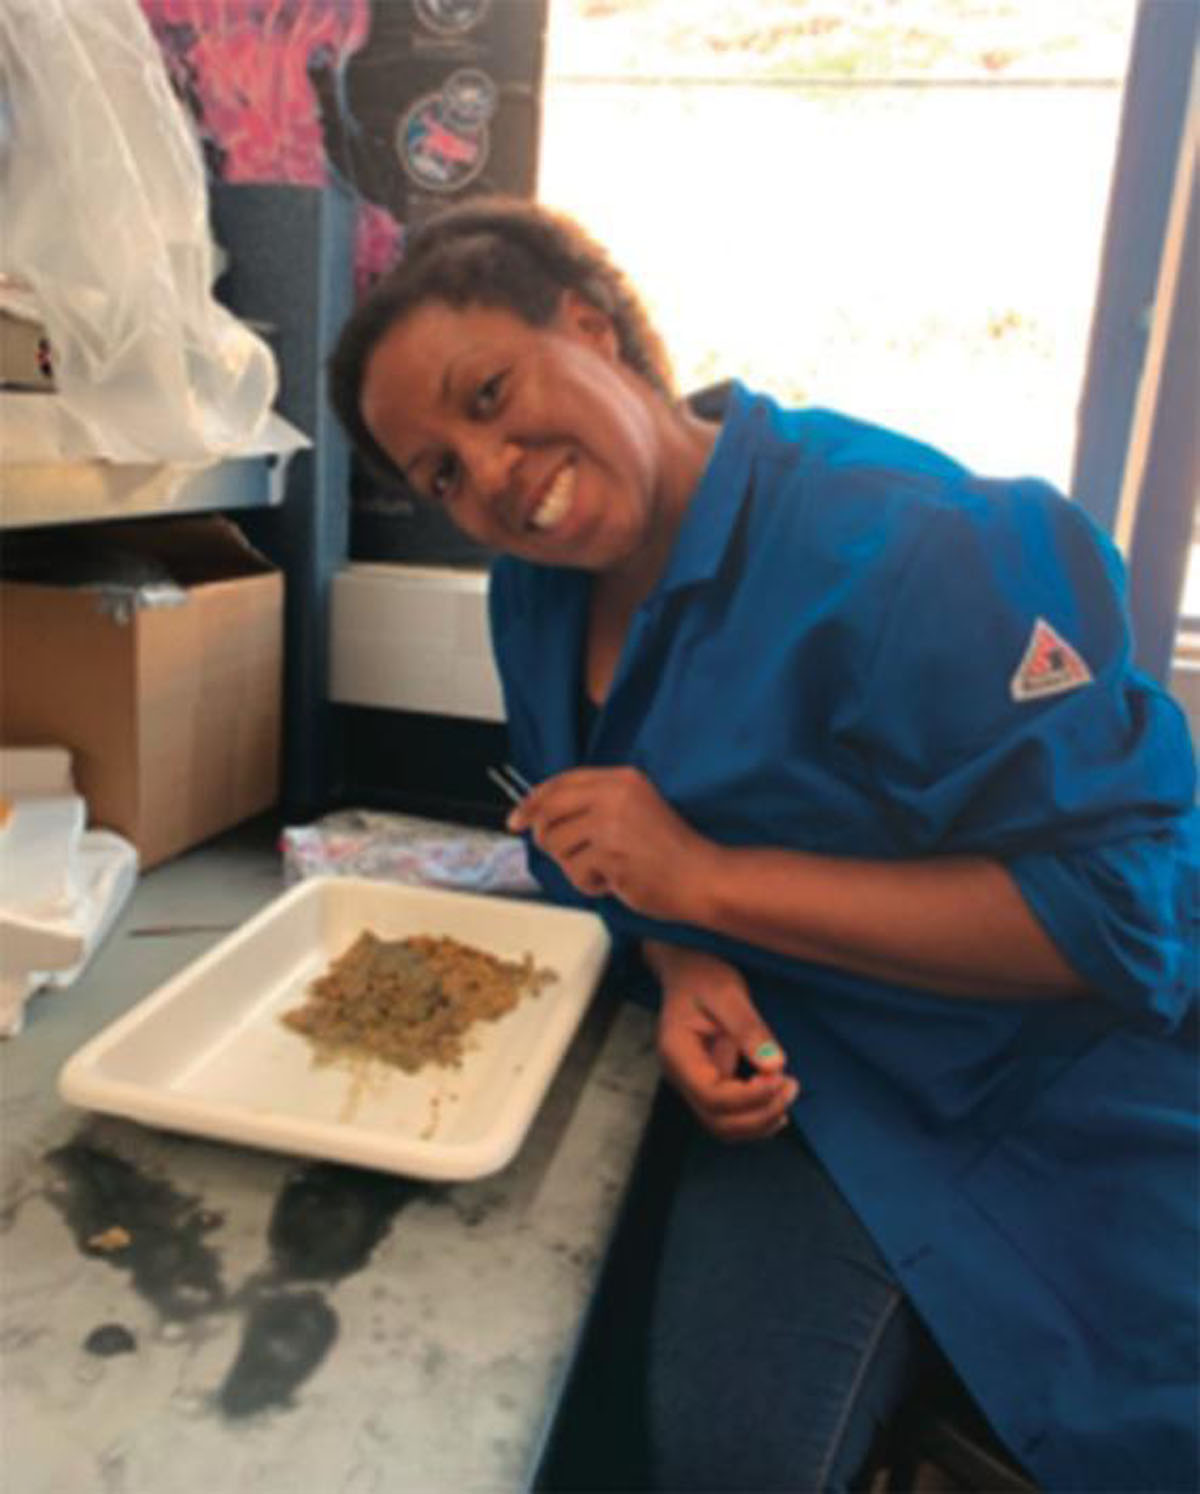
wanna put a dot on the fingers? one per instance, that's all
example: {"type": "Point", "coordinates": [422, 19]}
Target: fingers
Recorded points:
{"type": "Point", "coordinates": [570, 845]}
{"type": "Point", "coordinates": [558, 816]}
{"type": "Point", "coordinates": [729, 1098]}
{"type": "Point", "coordinates": [564, 795]}
{"type": "Point", "coordinates": [759, 1112]}
{"type": "Point", "coordinates": [733, 1108]}
{"type": "Point", "coordinates": [579, 792]}
{"type": "Point", "coordinates": [731, 1008]}
{"type": "Point", "coordinates": [611, 833]}
{"type": "Point", "coordinates": [723, 1052]}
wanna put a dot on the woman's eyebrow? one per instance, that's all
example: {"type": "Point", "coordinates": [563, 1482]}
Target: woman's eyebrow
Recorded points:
{"type": "Point", "coordinates": [445, 396]}
{"type": "Point", "coordinates": [453, 365]}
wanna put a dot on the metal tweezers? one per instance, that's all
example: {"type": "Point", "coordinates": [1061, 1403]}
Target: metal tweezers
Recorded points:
{"type": "Point", "coordinates": [510, 782]}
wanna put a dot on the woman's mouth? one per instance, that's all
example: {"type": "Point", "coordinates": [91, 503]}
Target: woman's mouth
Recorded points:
{"type": "Point", "coordinates": [554, 506]}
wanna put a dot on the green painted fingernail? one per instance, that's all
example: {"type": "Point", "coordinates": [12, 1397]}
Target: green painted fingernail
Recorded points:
{"type": "Point", "coordinates": [767, 1051]}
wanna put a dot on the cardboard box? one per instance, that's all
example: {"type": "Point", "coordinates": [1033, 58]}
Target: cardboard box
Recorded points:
{"type": "Point", "coordinates": [171, 708]}
{"type": "Point", "coordinates": [25, 356]}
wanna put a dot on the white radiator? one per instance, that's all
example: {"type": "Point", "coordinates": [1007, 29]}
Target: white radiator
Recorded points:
{"type": "Point", "coordinates": [413, 638]}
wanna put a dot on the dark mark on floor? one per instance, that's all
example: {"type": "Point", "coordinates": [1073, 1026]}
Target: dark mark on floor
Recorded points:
{"type": "Point", "coordinates": [329, 1219]}
{"type": "Point", "coordinates": [286, 1337]}
{"type": "Point", "coordinates": [326, 1223]}
{"type": "Point", "coordinates": [110, 1339]}
{"type": "Point", "coordinates": [105, 1199]}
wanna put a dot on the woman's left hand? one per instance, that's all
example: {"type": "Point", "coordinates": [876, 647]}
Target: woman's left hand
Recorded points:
{"type": "Point", "coordinates": [612, 833]}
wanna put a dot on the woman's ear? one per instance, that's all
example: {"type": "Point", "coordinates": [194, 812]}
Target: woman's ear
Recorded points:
{"type": "Point", "coordinates": [579, 318]}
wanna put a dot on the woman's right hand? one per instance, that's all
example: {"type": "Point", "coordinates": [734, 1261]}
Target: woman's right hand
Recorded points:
{"type": "Point", "coordinates": [707, 1025]}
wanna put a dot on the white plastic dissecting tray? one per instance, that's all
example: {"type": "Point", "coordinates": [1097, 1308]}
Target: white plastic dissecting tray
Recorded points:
{"type": "Point", "coordinates": [207, 1053]}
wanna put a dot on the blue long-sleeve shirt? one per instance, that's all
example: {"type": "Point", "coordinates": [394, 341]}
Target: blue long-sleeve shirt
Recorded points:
{"type": "Point", "coordinates": [859, 649]}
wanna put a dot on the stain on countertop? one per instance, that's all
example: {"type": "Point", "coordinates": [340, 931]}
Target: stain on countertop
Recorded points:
{"type": "Point", "coordinates": [325, 1224]}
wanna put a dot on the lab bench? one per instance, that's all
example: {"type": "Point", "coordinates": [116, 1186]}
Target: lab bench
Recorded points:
{"type": "Point", "coordinates": [181, 1315]}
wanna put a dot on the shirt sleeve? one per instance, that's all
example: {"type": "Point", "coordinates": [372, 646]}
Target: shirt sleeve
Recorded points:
{"type": "Point", "coordinates": [1001, 716]}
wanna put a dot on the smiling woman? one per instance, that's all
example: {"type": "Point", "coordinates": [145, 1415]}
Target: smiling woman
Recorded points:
{"type": "Point", "coordinates": [506, 370]}
{"type": "Point", "coordinates": [499, 254]}
{"type": "Point", "coordinates": [844, 744]}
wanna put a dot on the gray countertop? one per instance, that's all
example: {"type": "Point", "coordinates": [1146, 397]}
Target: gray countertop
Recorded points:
{"type": "Point", "coordinates": [276, 1324]}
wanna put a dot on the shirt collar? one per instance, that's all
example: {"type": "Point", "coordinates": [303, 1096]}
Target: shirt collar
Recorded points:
{"type": "Point", "coordinates": [713, 511]}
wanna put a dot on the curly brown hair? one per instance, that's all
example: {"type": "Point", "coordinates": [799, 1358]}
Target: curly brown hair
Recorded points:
{"type": "Point", "coordinates": [499, 252]}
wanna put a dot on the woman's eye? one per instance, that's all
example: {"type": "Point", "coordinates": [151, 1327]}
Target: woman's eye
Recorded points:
{"type": "Point", "coordinates": [443, 477]}
{"type": "Point", "coordinates": [487, 396]}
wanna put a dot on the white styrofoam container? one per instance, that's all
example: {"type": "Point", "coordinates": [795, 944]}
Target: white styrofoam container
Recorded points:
{"type": "Point", "coordinates": [39, 845]}
{"type": "Point", "coordinates": [206, 1053]}
{"type": "Point", "coordinates": [413, 638]}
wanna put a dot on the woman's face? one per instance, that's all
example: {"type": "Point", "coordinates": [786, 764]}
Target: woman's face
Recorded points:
{"type": "Point", "coordinates": [537, 441]}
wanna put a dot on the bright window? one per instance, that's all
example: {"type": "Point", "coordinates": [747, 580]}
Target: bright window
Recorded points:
{"type": "Point", "coordinates": [896, 209]}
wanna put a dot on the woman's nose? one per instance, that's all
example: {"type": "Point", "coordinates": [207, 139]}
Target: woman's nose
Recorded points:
{"type": "Point", "coordinates": [490, 461]}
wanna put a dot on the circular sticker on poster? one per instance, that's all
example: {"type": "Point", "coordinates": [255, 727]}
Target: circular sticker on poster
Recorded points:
{"type": "Point", "coordinates": [437, 151]}
{"type": "Point", "coordinates": [450, 17]}
{"type": "Point", "coordinates": [471, 97]}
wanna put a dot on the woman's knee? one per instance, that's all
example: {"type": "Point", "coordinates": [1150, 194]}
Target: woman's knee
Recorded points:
{"type": "Point", "coordinates": [779, 1343]}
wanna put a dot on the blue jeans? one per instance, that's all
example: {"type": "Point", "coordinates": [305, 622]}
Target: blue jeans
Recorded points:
{"type": "Point", "coordinates": [779, 1342]}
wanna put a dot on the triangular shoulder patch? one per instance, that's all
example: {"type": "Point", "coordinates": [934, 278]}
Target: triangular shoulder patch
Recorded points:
{"type": "Point", "coordinates": [1049, 666]}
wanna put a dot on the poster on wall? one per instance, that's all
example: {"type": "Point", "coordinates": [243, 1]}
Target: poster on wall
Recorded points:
{"type": "Point", "coordinates": [408, 103]}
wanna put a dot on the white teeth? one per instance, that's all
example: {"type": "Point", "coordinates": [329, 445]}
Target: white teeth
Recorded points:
{"type": "Point", "coordinates": [557, 501]}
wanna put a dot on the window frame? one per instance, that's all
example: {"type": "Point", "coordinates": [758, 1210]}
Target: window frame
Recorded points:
{"type": "Point", "coordinates": [1136, 464]}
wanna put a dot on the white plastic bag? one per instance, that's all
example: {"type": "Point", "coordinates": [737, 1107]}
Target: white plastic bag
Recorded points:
{"type": "Point", "coordinates": [104, 208]}
{"type": "Point", "coordinates": [50, 947]}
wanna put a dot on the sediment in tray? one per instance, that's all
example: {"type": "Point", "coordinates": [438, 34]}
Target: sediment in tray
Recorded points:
{"type": "Point", "coordinates": [410, 1002]}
